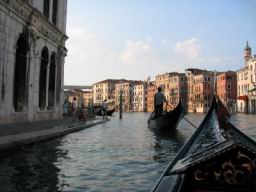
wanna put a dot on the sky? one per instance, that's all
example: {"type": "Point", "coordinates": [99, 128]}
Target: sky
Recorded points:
{"type": "Point", "coordinates": [136, 39]}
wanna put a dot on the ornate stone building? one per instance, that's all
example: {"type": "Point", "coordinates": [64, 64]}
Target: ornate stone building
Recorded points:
{"type": "Point", "coordinates": [177, 89]}
{"type": "Point", "coordinates": [104, 90]}
{"type": "Point", "coordinates": [32, 52]}
{"type": "Point", "coordinates": [151, 90]}
{"type": "Point", "coordinates": [246, 83]}
{"type": "Point", "coordinates": [163, 81]}
{"type": "Point", "coordinates": [200, 89]}
{"type": "Point", "coordinates": [139, 99]}
{"type": "Point", "coordinates": [123, 89]}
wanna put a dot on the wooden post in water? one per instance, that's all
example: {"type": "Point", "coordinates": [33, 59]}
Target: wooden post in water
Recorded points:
{"type": "Point", "coordinates": [120, 105]}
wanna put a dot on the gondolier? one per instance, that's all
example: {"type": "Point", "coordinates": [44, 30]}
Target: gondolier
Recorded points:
{"type": "Point", "coordinates": [104, 108]}
{"type": "Point", "coordinates": [159, 100]}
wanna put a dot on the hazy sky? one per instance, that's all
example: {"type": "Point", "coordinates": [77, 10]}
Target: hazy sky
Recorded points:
{"type": "Point", "coordinates": [134, 39]}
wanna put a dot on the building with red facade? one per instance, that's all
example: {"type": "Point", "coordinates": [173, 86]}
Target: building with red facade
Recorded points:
{"type": "Point", "coordinates": [151, 90]}
{"type": "Point", "coordinates": [227, 89]}
{"type": "Point", "coordinates": [200, 89]}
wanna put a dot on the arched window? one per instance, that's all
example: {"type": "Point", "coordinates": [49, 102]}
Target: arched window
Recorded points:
{"type": "Point", "coordinates": [46, 8]}
{"type": "Point", "coordinates": [54, 11]}
{"type": "Point", "coordinates": [51, 91]}
{"type": "Point", "coordinates": [43, 78]}
{"type": "Point", "coordinates": [20, 76]}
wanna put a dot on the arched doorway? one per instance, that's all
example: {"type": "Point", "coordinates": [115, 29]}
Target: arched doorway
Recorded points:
{"type": "Point", "coordinates": [20, 76]}
{"type": "Point", "coordinates": [52, 77]}
{"type": "Point", "coordinates": [43, 78]}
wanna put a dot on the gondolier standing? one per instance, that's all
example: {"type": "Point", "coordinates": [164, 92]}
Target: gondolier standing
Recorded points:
{"type": "Point", "coordinates": [104, 108]}
{"type": "Point", "coordinates": [159, 100]}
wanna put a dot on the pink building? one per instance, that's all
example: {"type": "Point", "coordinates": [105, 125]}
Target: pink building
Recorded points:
{"type": "Point", "coordinates": [227, 89]}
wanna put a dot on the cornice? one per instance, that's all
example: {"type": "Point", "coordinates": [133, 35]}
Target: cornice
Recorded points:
{"type": "Point", "coordinates": [36, 22]}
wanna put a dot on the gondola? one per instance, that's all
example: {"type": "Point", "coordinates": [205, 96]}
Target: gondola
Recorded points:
{"type": "Point", "coordinates": [168, 121]}
{"type": "Point", "coordinates": [217, 158]}
{"type": "Point", "coordinates": [108, 112]}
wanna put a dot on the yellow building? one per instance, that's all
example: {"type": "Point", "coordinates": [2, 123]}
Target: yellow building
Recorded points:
{"type": "Point", "coordinates": [173, 86]}
{"type": "Point", "coordinates": [139, 93]}
{"type": "Point", "coordinates": [104, 90]}
{"type": "Point", "coordinates": [177, 89]}
{"type": "Point", "coordinates": [87, 98]}
{"type": "Point", "coordinates": [163, 81]}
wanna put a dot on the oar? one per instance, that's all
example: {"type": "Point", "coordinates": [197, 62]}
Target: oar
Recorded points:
{"type": "Point", "coordinates": [189, 122]}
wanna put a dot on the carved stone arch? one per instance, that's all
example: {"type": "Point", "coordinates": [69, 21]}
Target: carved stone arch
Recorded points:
{"type": "Point", "coordinates": [52, 81]}
{"type": "Point", "coordinates": [20, 75]}
{"type": "Point", "coordinates": [43, 77]}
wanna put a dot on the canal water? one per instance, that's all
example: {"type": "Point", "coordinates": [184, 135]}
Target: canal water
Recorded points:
{"type": "Point", "coordinates": [120, 155]}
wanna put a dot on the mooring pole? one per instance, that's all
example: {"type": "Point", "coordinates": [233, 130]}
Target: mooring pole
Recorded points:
{"type": "Point", "coordinates": [120, 105]}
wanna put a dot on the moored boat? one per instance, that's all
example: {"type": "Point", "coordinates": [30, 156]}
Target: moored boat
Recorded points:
{"type": "Point", "coordinates": [108, 112]}
{"type": "Point", "coordinates": [217, 158]}
{"type": "Point", "coordinates": [168, 120]}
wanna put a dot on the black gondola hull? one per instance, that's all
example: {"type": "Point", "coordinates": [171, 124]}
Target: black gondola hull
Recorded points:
{"type": "Point", "coordinates": [167, 121]}
{"type": "Point", "coordinates": [213, 159]}
{"type": "Point", "coordinates": [108, 112]}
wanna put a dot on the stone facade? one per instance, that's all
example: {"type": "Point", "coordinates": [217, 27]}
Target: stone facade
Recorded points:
{"type": "Point", "coordinates": [32, 52]}
{"type": "Point", "coordinates": [200, 89]}
{"type": "Point", "coordinates": [87, 98]}
{"type": "Point", "coordinates": [163, 81]}
{"type": "Point", "coordinates": [104, 90]}
{"type": "Point", "coordinates": [246, 83]}
{"type": "Point", "coordinates": [150, 96]}
{"type": "Point", "coordinates": [177, 89]}
{"type": "Point", "coordinates": [139, 100]}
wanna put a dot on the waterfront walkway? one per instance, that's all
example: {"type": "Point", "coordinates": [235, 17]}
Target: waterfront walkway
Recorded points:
{"type": "Point", "coordinates": [19, 134]}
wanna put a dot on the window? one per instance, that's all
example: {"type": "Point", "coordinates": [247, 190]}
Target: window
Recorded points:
{"type": "Point", "coordinates": [46, 8]}
{"type": "Point", "coordinates": [20, 75]}
{"type": "Point", "coordinates": [42, 78]}
{"type": "Point", "coordinates": [51, 85]}
{"type": "Point", "coordinates": [54, 11]}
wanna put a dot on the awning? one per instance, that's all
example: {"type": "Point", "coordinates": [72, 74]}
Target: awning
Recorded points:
{"type": "Point", "coordinates": [243, 97]}
{"type": "Point", "coordinates": [254, 89]}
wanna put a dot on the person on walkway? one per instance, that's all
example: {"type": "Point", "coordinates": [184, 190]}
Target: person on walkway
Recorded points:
{"type": "Point", "coordinates": [65, 108]}
{"type": "Point", "coordinates": [104, 108]}
{"type": "Point", "coordinates": [74, 108]}
{"type": "Point", "coordinates": [159, 100]}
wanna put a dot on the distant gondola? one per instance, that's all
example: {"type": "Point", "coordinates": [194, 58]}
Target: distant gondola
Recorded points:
{"type": "Point", "coordinates": [108, 112]}
{"type": "Point", "coordinates": [168, 121]}
{"type": "Point", "coordinates": [217, 158]}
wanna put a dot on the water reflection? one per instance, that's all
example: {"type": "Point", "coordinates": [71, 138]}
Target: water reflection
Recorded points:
{"type": "Point", "coordinates": [167, 143]}
{"type": "Point", "coordinates": [32, 168]}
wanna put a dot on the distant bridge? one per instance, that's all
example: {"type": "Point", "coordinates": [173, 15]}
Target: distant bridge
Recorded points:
{"type": "Point", "coordinates": [73, 87]}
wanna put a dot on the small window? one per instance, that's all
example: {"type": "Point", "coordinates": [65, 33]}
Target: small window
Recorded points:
{"type": "Point", "coordinates": [54, 11]}
{"type": "Point", "coordinates": [46, 8]}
